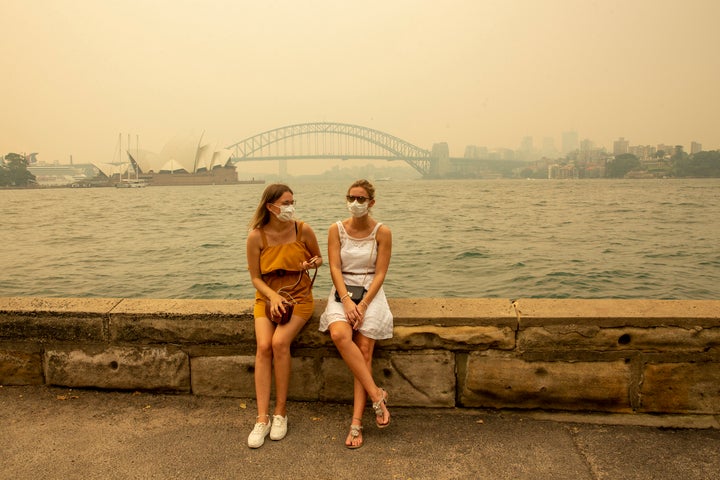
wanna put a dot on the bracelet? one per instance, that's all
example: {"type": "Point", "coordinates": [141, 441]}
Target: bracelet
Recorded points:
{"type": "Point", "coordinates": [345, 296]}
{"type": "Point", "coordinates": [362, 302]}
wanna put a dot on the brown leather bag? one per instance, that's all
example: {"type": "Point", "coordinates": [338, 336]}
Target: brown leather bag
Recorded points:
{"type": "Point", "coordinates": [283, 318]}
{"type": "Point", "coordinates": [288, 302]}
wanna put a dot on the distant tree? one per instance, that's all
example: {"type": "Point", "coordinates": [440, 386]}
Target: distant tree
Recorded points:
{"type": "Point", "coordinates": [14, 171]}
{"type": "Point", "coordinates": [4, 175]}
{"type": "Point", "coordinates": [701, 164]}
{"type": "Point", "coordinates": [529, 172]}
{"type": "Point", "coordinates": [621, 165]}
{"type": "Point", "coordinates": [679, 154]}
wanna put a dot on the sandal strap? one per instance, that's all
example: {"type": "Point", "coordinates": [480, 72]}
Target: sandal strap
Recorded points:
{"type": "Point", "coordinates": [355, 430]}
{"type": "Point", "coordinates": [376, 405]}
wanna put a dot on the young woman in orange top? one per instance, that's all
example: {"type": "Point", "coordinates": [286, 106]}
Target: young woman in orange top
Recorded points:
{"type": "Point", "coordinates": [279, 251]}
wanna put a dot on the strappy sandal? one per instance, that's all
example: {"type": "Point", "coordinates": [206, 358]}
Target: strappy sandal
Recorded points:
{"type": "Point", "coordinates": [377, 406]}
{"type": "Point", "coordinates": [355, 431]}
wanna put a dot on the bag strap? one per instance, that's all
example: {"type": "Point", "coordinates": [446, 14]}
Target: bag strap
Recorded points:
{"type": "Point", "coordinates": [367, 268]}
{"type": "Point", "coordinates": [373, 234]}
{"type": "Point", "coordinates": [303, 272]}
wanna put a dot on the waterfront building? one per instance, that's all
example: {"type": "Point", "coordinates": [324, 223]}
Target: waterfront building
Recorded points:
{"type": "Point", "coordinates": [668, 150]}
{"type": "Point", "coordinates": [184, 160]}
{"type": "Point", "coordinates": [620, 146]}
{"type": "Point", "coordinates": [643, 152]}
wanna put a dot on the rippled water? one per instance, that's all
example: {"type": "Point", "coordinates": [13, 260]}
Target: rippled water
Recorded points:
{"type": "Point", "coordinates": [477, 238]}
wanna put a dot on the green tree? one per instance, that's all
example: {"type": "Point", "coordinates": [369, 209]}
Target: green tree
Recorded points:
{"type": "Point", "coordinates": [528, 172]}
{"type": "Point", "coordinates": [14, 171]}
{"type": "Point", "coordinates": [679, 154]}
{"type": "Point", "coordinates": [701, 164]}
{"type": "Point", "coordinates": [621, 165]}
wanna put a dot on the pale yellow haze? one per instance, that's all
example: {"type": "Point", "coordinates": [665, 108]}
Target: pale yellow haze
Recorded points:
{"type": "Point", "coordinates": [77, 73]}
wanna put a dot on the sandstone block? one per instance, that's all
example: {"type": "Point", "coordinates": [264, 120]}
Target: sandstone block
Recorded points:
{"type": "Point", "coordinates": [424, 378]}
{"type": "Point", "coordinates": [311, 337]}
{"type": "Point", "coordinates": [451, 338]}
{"type": "Point", "coordinates": [305, 383]}
{"type": "Point", "coordinates": [336, 380]}
{"type": "Point", "coordinates": [176, 307]}
{"type": "Point", "coordinates": [181, 330]}
{"type": "Point", "coordinates": [123, 368]}
{"type": "Point", "coordinates": [681, 388]}
{"type": "Point", "coordinates": [505, 382]}
{"type": "Point", "coordinates": [182, 321]}
{"type": "Point", "coordinates": [58, 306]}
{"type": "Point", "coordinates": [453, 311]}
{"type": "Point", "coordinates": [592, 337]}
{"type": "Point", "coordinates": [226, 376]}
{"type": "Point", "coordinates": [234, 376]}
{"type": "Point", "coordinates": [417, 379]}
{"type": "Point", "coordinates": [20, 368]}
{"type": "Point", "coordinates": [45, 328]}
{"type": "Point", "coordinates": [618, 313]}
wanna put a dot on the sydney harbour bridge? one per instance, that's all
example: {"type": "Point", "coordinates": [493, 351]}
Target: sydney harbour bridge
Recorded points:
{"type": "Point", "coordinates": [338, 141]}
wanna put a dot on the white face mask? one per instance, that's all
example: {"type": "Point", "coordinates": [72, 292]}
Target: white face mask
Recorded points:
{"type": "Point", "coordinates": [287, 212]}
{"type": "Point", "coordinates": [358, 209]}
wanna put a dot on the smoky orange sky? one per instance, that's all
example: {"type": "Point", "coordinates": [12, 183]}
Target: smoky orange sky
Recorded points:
{"type": "Point", "coordinates": [77, 73]}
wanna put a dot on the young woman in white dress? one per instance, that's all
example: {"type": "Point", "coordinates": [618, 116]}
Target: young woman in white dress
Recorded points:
{"type": "Point", "coordinates": [359, 250]}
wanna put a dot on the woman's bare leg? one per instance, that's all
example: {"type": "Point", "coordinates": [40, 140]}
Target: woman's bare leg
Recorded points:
{"type": "Point", "coordinates": [281, 342]}
{"type": "Point", "coordinates": [264, 330]}
{"type": "Point", "coordinates": [342, 336]}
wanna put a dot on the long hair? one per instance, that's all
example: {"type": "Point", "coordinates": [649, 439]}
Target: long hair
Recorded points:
{"type": "Point", "coordinates": [270, 195]}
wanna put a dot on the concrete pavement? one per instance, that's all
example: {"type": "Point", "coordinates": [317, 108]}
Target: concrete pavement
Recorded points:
{"type": "Point", "coordinates": [54, 433]}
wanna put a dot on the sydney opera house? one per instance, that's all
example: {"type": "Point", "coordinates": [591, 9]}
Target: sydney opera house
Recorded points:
{"type": "Point", "coordinates": [185, 160]}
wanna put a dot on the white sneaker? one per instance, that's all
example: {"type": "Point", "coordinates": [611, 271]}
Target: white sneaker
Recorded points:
{"type": "Point", "coordinates": [258, 434]}
{"type": "Point", "coordinates": [279, 427]}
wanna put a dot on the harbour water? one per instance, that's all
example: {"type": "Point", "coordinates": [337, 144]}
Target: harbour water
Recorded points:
{"type": "Point", "coordinates": [654, 239]}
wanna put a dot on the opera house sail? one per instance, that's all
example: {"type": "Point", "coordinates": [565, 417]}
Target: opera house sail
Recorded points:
{"type": "Point", "coordinates": [185, 160]}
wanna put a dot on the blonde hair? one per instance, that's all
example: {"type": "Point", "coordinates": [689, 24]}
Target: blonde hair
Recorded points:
{"type": "Point", "coordinates": [362, 183]}
{"type": "Point", "coordinates": [270, 195]}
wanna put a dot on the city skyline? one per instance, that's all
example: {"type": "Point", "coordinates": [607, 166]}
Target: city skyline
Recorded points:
{"type": "Point", "coordinates": [468, 73]}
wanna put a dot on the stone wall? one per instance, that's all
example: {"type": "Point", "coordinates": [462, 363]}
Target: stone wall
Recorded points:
{"type": "Point", "coordinates": [584, 355]}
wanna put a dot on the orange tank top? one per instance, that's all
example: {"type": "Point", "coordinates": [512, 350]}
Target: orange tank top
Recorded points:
{"type": "Point", "coordinates": [280, 266]}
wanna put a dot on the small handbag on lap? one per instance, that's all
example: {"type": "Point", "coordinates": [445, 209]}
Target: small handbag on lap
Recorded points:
{"type": "Point", "coordinates": [288, 300]}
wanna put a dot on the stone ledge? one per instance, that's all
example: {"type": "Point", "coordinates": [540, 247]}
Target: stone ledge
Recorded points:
{"type": "Point", "coordinates": [658, 357]}
{"type": "Point", "coordinates": [617, 313]}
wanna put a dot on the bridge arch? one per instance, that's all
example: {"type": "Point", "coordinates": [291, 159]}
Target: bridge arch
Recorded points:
{"type": "Point", "coordinates": [332, 141]}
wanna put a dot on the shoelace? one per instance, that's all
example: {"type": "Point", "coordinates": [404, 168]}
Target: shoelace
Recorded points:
{"type": "Point", "coordinates": [259, 427]}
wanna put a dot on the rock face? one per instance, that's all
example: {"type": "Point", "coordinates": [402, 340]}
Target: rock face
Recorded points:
{"type": "Point", "coordinates": [591, 355]}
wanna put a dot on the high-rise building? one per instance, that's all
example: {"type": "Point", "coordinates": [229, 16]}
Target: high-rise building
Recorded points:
{"type": "Point", "coordinates": [526, 150]}
{"type": "Point", "coordinates": [527, 144]}
{"type": "Point", "coordinates": [548, 148]}
{"type": "Point", "coordinates": [621, 146]}
{"type": "Point", "coordinates": [570, 142]}
{"type": "Point", "coordinates": [695, 147]}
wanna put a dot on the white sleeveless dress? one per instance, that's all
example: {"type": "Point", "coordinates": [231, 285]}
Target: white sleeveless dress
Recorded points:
{"type": "Point", "coordinates": [358, 257]}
